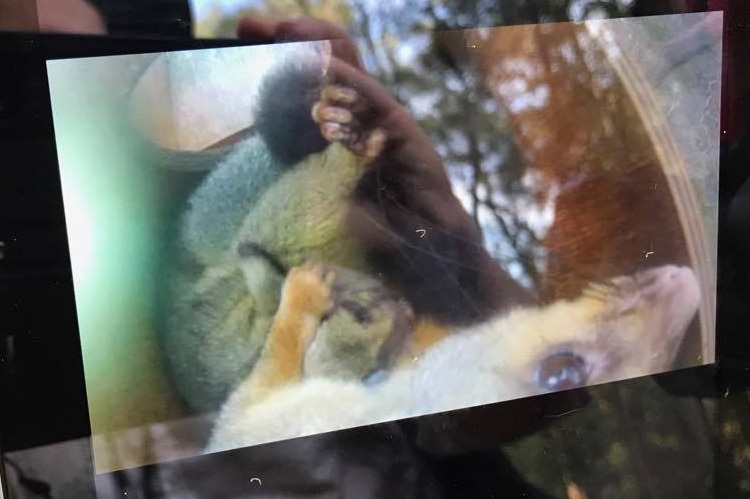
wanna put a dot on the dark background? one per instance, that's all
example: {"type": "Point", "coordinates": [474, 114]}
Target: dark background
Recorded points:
{"type": "Point", "coordinates": [42, 393]}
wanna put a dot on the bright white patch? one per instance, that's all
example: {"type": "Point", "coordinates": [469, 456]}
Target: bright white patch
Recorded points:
{"type": "Point", "coordinates": [80, 232]}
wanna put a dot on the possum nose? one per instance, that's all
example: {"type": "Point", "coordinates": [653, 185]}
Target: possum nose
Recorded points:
{"type": "Point", "coordinates": [665, 281]}
{"type": "Point", "coordinates": [682, 280]}
{"type": "Point", "coordinates": [676, 294]}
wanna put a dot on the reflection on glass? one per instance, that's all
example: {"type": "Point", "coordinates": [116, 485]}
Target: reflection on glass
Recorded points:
{"type": "Point", "coordinates": [517, 214]}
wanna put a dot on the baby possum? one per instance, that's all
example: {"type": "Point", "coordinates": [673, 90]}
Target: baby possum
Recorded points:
{"type": "Point", "coordinates": [628, 326]}
{"type": "Point", "coordinates": [408, 225]}
{"type": "Point", "coordinates": [338, 173]}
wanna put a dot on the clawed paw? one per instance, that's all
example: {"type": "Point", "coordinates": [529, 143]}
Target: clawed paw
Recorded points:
{"type": "Point", "coordinates": [339, 112]}
{"type": "Point", "coordinates": [309, 288]}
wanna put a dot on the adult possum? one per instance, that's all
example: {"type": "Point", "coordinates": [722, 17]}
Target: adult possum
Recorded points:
{"type": "Point", "coordinates": [625, 327]}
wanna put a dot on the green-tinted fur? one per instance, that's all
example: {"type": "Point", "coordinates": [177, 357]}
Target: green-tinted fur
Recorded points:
{"type": "Point", "coordinates": [222, 303]}
{"type": "Point", "coordinates": [302, 215]}
{"type": "Point", "coordinates": [350, 342]}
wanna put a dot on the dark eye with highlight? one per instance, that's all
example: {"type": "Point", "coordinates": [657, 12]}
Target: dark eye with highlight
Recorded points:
{"type": "Point", "coordinates": [562, 371]}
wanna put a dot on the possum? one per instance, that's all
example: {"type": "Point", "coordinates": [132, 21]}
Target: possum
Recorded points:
{"type": "Point", "coordinates": [324, 178]}
{"type": "Point", "coordinates": [625, 327]}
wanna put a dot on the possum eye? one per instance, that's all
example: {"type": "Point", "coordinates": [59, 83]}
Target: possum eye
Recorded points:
{"type": "Point", "coordinates": [561, 371]}
{"type": "Point", "coordinates": [360, 312]}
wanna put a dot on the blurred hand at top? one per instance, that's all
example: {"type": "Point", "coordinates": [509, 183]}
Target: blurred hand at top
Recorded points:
{"type": "Point", "coordinates": [51, 16]}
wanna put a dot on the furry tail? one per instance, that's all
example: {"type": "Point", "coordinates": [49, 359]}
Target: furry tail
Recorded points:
{"type": "Point", "coordinates": [283, 116]}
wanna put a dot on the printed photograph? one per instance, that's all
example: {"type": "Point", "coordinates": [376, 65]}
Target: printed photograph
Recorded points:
{"type": "Point", "coordinates": [275, 241]}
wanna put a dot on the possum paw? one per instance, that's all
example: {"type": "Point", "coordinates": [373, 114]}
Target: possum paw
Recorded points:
{"type": "Point", "coordinates": [339, 112]}
{"type": "Point", "coordinates": [308, 289]}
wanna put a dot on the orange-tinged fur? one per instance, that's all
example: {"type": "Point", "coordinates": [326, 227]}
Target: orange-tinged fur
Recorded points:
{"type": "Point", "coordinates": [629, 326]}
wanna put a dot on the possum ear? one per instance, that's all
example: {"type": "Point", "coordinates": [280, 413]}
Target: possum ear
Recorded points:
{"type": "Point", "coordinates": [283, 116]}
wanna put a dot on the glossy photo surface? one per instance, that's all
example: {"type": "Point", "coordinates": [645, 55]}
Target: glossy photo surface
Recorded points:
{"type": "Point", "coordinates": [267, 242]}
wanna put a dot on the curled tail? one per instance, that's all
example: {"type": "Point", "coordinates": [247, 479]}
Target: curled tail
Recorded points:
{"type": "Point", "coordinates": [283, 116]}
